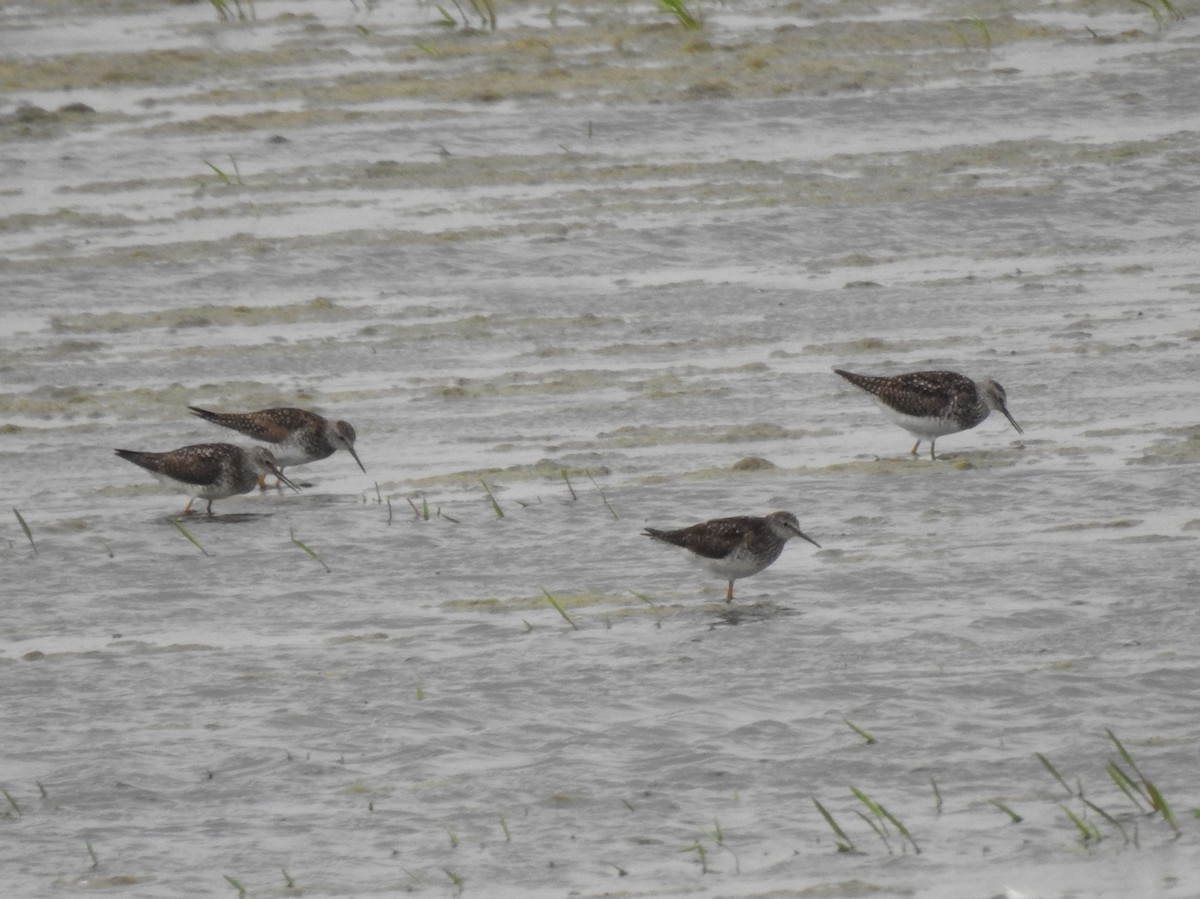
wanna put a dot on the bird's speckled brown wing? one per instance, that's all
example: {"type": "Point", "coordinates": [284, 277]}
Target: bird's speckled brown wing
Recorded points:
{"type": "Point", "coordinates": [924, 394]}
{"type": "Point", "coordinates": [198, 464]}
{"type": "Point", "coordinates": [267, 425]}
{"type": "Point", "coordinates": [714, 539]}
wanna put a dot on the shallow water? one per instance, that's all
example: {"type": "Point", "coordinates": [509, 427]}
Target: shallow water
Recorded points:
{"type": "Point", "coordinates": [592, 243]}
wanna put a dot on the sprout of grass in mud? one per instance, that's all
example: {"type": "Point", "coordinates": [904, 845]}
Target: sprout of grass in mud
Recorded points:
{"type": "Point", "coordinates": [880, 812]}
{"type": "Point", "coordinates": [456, 880]}
{"type": "Point", "coordinates": [504, 827]}
{"type": "Point", "coordinates": [701, 855]}
{"type": "Point", "coordinates": [1148, 790]}
{"type": "Point", "coordinates": [719, 836]}
{"type": "Point", "coordinates": [683, 14]}
{"type": "Point", "coordinates": [566, 479]}
{"type": "Point", "coordinates": [25, 528]}
{"type": "Point", "coordinates": [862, 733]}
{"type": "Point", "coordinates": [1126, 785]}
{"type": "Point", "coordinates": [220, 174]}
{"type": "Point", "coordinates": [92, 854]}
{"type": "Point", "coordinates": [1107, 817]}
{"type": "Point", "coordinates": [937, 795]}
{"type": "Point", "coordinates": [241, 890]}
{"type": "Point", "coordinates": [1158, 18]}
{"type": "Point", "coordinates": [495, 505]}
{"type": "Point", "coordinates": [648, 601]}
{"type": "Point", "coordinates": [1013, 816]}
{"type": "Point", "coordinates": [16, 808]}
{"type": "Point", "coordinates": [1088, 833]}
{"type": "Point", "coordinates": [422, 512]}
{"type": "Point", "coordinates": [1054, 772]}
{"type": "Point", "coordinates": [309, 550]}
{"type": "Point", "coordinates": [607, 505]}
{"type": "Point", "coordinates": [561, 611]}
{"type": "Point", "coordinates": [843, 842]}
{"type": "Point", "coordinates": [287, 879]}
{"type": "Point", "coordinates": [453, 837]}
{"type": "Point", "coordinates": [190, 536]}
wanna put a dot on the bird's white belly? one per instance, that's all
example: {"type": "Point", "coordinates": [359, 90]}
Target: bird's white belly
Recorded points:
{"type": "Point", "coordinates": [923, 427]}
{"type": "Point", "coordinates": [736, 565]}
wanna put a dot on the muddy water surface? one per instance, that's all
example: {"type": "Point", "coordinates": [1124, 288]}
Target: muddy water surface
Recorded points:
{"type": "Point", "coordinates": [588, 272]}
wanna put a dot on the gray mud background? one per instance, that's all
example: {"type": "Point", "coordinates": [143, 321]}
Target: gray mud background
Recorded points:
{"type": "Point", "coordinates": [593, 262]}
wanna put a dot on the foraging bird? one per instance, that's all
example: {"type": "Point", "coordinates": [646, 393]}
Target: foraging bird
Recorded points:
{"type": "Point", "coordinates": [210, 470]}
{"type": "Point", "coordinates": [929, 404]}
{"type": "Point", "coordinates": [735, 547]}
{"type": "Point", "coordinates": [299, 436]}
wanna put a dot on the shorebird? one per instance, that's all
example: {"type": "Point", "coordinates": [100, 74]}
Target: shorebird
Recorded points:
{"type": "Point", "coordinates": [929, 404]}
{"type": "Point", "coordinates": [209, 470]}
{"type": "Point", "coordinates": [299, 436]}
{"type": "Point", "coordinates": [735, 547]}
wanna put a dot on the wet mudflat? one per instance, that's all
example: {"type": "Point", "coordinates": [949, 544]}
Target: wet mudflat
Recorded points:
{"type": "Point", "coordinates": [564, 278]}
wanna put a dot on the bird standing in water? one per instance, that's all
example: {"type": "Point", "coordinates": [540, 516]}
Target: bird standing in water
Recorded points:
{"type": "Point", "coordinates": [931, 404]}
{"type": "Point", "coordinates": [735, 547]}
{"type": "Point", "coordinates": [299, 436]}
{"type": "Point", "coordinates": [209, 471]}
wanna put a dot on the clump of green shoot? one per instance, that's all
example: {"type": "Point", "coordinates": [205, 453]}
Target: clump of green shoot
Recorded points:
{"type": "Point", "coordinates": [883, 816]}
{"type": "Point", "coordinates": [1147, 788]}
{"type": "Point", "coordinates": [1170, 8]}
{"type": "Point", "coordinates": [693, 21]}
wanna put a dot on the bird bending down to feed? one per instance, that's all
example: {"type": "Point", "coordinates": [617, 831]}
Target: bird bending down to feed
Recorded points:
{"type": "Point", "coordinates": [210, 470]}
{"type": "Point", "coordinates": [735, 547]}
{"type": "Point", "coordinates": [929, 404]}
{"type": "Point", "coordinates": [299, 436]}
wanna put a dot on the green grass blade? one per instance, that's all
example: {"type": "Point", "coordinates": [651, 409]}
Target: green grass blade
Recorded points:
{"type": "Point", "coordinates": [1124, 753]}
{"type": "Point", "coordinates": [25, 528]}
{"type": "Point", "coordinates": [1087, 832]}
{"type": "Point", "coordinates": [310, 551]}
{"type": "Point", "coordinates": [1053, 772]}
{"type": "Point", "coordinates": [903, 831]}
{"type": "Point", "coordinates": [1159, 804]}
{"type": "Point", "coordinates": [1107, 817]}
{"type": "Point", "coordinates": [937, 795]}
{"type": "Point", "coordinates": [16, 808]}
{"type": "Point", "coordinates": [862, 733]}
{"type": "Point", "coordinates": [1013, 816]}
{"type": "Point", "coordinates": [567, 480]}
{"type": "Point", "coordinates": [495, 505]}
{"type": "Point", "coordinates": [1126, 785]}
{"type": "Point", "coordinates": [190, 536]}
{"type": "Point", "coordinates": [241, 890]}
{"type": "Point", "coordinates": [843, 842]}
{"type": "Point", "coordinates": [607, 504]}
{"type": "Point", "coordinates": [561, 611]}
